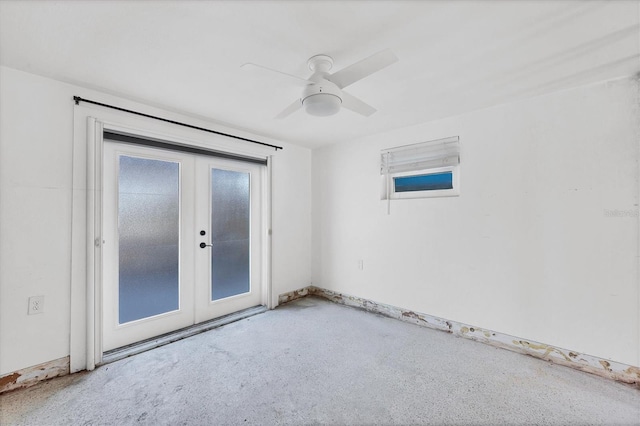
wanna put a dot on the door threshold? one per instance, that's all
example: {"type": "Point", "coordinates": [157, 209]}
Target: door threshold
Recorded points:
{"type": "Point", "coordinates": [164, 339]}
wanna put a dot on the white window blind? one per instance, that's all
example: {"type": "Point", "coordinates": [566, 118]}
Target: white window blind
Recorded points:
{"type": "Point", "coordinates": [420, 156]}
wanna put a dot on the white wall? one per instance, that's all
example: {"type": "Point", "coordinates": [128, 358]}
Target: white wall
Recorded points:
{"type": "Point", "coordinates": [291, 220]}
{"type": "Point", "coordinates": [35, 218]}
{"type": "Point", "coordinates": [36, 141]}
{"type": "Point", "coordinates": [528, 248]}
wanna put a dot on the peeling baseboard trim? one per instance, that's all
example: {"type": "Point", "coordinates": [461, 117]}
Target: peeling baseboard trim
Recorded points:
{"type": "Point", "coordinates": [583, 362]}
{"type": "Point", "coordinates": [293, 295]}
{"type": "Point", "coordinates": [31, 375]}
{"type": "Point", "coordinates": [601, 367]}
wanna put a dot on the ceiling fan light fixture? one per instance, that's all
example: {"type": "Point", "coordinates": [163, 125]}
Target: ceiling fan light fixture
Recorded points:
{"type": "Point", "coordinates": [322, 94]}
{"type": "Point", "coordinates": [322, 104]}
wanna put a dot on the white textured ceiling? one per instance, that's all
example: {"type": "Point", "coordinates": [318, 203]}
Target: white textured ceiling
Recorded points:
{"type": "Point", "coordinates": [454, 56]}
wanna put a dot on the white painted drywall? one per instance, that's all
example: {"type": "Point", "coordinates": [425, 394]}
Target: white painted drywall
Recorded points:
{"type": "Point", "coordinates": [36, 142]}
{"type": "Point", "coordinates": [542, 243]}
{"type": "Point", "coordinates": [35, 218]}
{"type": "Point", "coordinates": [291, 220]}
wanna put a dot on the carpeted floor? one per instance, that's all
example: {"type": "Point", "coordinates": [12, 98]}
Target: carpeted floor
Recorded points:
{"type": "Point", "coordinates": [315, 362]}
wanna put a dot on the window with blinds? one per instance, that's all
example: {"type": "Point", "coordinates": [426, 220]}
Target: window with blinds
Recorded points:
{"type": "Point", "coordinates": [427, 169]}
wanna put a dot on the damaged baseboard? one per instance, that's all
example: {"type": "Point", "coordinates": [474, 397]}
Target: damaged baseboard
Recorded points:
{"type": "Point", "coordinates": [296, 294]}
{"type": "Point", "coordinates": [591, 364]}
{"type": "Point", "coordinates": [583, 362]}
{"type": "Point", "coordinates": [31, 375]}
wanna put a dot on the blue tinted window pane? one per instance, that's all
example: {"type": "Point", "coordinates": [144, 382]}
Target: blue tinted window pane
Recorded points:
{"type": "Point", "coordinates": [428, 182]}
{"type": "Point", "coordinates": [149, 237]}
{"type": "Point", "coordinates": [230, 233]}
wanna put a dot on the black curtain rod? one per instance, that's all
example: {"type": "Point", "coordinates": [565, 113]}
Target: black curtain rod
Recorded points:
{"type": "Point", "coordinates": [78, 99]}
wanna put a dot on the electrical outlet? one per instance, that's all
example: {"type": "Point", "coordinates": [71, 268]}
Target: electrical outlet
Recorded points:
{"type": "Point", "coordinates": [36, 305]}
{"type": "Point", "coordinates": [361, 264]}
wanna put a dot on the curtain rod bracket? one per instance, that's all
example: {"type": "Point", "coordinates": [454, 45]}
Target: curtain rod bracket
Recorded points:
{"type": "Point", "coordinates": [78, 99]}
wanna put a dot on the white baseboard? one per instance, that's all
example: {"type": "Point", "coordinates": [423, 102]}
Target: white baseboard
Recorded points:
{"type": "Point", "coordinates": [583, 362]}
{"type": "Point", "coordinates": [31, 375]}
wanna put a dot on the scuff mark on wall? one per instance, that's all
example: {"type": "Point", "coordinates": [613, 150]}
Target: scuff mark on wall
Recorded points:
{"type": "Point", "coordinates": [542, 347]}
{"type": "Point", "coordinates": [633, 371]}
{"type": "Point", "coordinates": [411, 314]}
{"type": "Point", "coordinates": [9, 380]}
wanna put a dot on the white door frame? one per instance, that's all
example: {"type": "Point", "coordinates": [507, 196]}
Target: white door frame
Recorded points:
{"type": "Point", "coordinates": [94, 241]}
{"type": "Point", "coordinates": [86, 266]}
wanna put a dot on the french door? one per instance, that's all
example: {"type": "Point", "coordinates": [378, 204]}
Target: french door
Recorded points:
{"type": "Point", "coordinates": [182, 240]}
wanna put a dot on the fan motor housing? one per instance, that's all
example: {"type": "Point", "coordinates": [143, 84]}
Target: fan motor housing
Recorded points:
{"type": "Point", "coordinates": [323, 87]}
{"type": "Point", "coordinates": [322, 99]}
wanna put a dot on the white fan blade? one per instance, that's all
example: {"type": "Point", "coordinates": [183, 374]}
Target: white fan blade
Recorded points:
{"type": "Point", "coordinates": [356, 105]}
{"type": "Point", "coordinates": [290, 77]}
{"type": "Point", "coordinates": [363, 68]}
{"type": "Point", "coordinates": [296, 105]}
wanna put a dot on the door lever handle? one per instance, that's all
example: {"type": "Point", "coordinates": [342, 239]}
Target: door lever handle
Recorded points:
{"type": "Point", "coordinates": [203, 245]}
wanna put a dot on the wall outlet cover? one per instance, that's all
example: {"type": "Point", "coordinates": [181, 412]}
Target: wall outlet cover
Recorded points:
{"type": "Point", "coordinates": [36, 305]}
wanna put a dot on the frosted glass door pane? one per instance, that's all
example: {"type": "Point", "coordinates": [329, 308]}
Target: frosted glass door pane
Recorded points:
{"type": "Point", "coordinates": [230, 231]}
{"type": "Point", "coordinates": [149, 232]}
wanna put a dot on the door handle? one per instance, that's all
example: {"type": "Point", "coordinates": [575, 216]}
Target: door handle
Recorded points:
{"type": "Point", "coordinates": [203, 245]}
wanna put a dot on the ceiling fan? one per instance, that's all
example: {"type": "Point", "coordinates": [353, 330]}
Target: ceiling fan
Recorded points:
{"type": "Point", "coordinates": [322, 93]}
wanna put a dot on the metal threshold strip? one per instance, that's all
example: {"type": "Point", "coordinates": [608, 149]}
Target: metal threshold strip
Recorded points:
{"type": "Point", "coordinates": [154, 342]}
